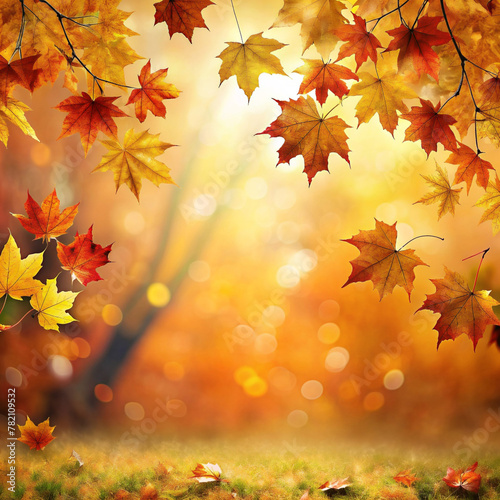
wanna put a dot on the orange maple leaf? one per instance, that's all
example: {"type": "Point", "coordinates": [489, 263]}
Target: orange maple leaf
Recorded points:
{"type": "Point", "coordinates": [361, 43]}
{"type": "Point", "coordinates": [405, 477]}
{"type": "Point", "coordinates": [83, 257]}
{"type": "Point", "coordinates": [207, 473]}
{"type": "Point", "coordinates": [37, 437]}
{"type": "Point", "coordinates": [335, 484]}
{"type": "Point", "coordinates": [470, 164]}
{"type": "Point", "coordinates": [181, 16]}
{"type": "Point", "coordinates": [462, 311]}
{"type": "Point", "coordinates": [380, 262]}
{"type": "Point", "coordinates": [322, 77]}
{"type": "Point", "coordinates": [415, 45]}
{"type": "Point", "coordinates": [89, 116]}
{"type": "Point", "coordinates": [308, 134]}
{"type": "Point", "coordinates": [153, 90]}
{"type": "Point", "coordinates": [468, 480]}
{"type": "Point", "coordinates": [47, 221]}
{"type": "Point", "coordinates": [18, 72]}
{"type": "Point", "coordinates": [429, 126]}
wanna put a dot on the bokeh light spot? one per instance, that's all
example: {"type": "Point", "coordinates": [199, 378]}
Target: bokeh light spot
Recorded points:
{"type": "Point", "coordinates": [274, 315]}
{"type": "Point", "coordinates": [265, 343]}
{"type": "Point", "coordinates": [312, 389]}
{"type": "Point", "coordinates": [158, 295]}
{"type": "Point", "coordinates": [40, 154]}
{"type": "Point", "coordinates": [255, 386]}
{"type": "Point", "coordinates": [328, 333]}
{"type": "Point", "coordinates": [243, 373]}
{"type": "Point", "coordinates": [336, 359]}
{"type": "Point", "coordinates": [329, 310]}
{"type": "Point", "coordinates": [282, 379]}
{"type": "Point", "coordinates": [297, 418]}
{"type": "Point", "coordinates": [112, 315]}
{"type": "Point", "coordinates": [134, 223]}
{"type": "Point", "coordinates": [83, 347]}
{"type": "Point", "coordinates": [134, 411]}
{"type": "Point", "coordinates": [394, 379]}
{"type": "Point", "coordinates": [13, 376]}
{"type": "Point", "coordinates": [60, 366]}
{"type": "Point", "coordinates": [199, 271]}
{"type": "Point", "coordinates": [103, 393]}
{"type": "Point", "coordinates": [288, 276]}
{"type": "Point", "coordinates": [373, 401]}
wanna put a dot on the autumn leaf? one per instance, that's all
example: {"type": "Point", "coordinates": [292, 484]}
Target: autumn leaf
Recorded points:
{"type": "Point", "coordinates": [380, 262]}
{"type": "Point", "coordinates": [207, 473]}
{"type": "Point", "coordinates": [335, 484]}
{"type": "Point", "coordinates": [462, 311]}
{"type": "Point", "coordinates": [181, 16]}
{"type": "Point", "coordinates": [441, 192]}
{"type": "Point", "coordinates": [19, 72]}
{"type": "Point", "coordinates": [89, 116]}
{"type": "Point", "coordinates": [16, 275]}
{"type": "Point", "coordinates": [322, 77]}
{"type": "Point", "coordinates": [415, 45]}
{"type": "Point", "coordinates": [83, 257]}
{"type": "Point", "coordinates": [469, 165]}
{"type": "Point", "coordinates": [51, 305]}
{"type": "Point", "coordinates": [488, 116]}
{"type": "Point", "coordinates": [13, 112]}
{"type": "Point", "coordinates": [47, 221]}
{"type": "Point", "coordinates": [162, 470]}
{"type": "Point", "coordinates": [468, 480]}
{"type": "Point", "coordinates": [429, 126]}
{"type": "Point", "coordinates": [308, 134]}
{"type": "Point", "coordinates": [136, 160]}
{"type": "Point", "coordinates": [153, 90]}
{"type": "Point", "coordinates": [37, 437]}
{"type": "Point", "coordinates": [360, 42]}
{"type": "Point", "coordinates": [405, 477]}
{"type": "Point", "coordinates": [149, 492]}
{"type": "Point", "coordinates": [247, 61]}
{"type": "Point", "coordinates": [78, 458]}
{"type": "Point", "coordinates": [491, 203]}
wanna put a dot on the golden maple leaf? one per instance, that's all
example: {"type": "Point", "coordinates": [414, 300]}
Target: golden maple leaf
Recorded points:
{"type": "Point", "coordinates": [14, 112]}
{"type": "Point", "coordinates": [37, 437]}
{"type": "Point", "coordinates": [16, 275]}
{"type": "Point", "coordinates": [247, 61]}
{"type": "Point", "coordinates": [491, 203]}
{"type": "Point", "coordinates": [136, 160]}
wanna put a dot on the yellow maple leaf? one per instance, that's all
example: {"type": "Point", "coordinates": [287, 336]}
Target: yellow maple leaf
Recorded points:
{"type": "Point", "coordinates": [51, 305]}
{"type": "Point", "coordinates": [247, 61]}
{"type": "Point", "coordinates": [37, 437]}
{"type": "Point", "coordinates": [441, 192]}
{"type": "Point", "coordinates": [14, 112]}
{"type": "Point", "coordinates": [16, 275]}
{"type": "Point", "coordinates": [136, 160]}
{"type": "Point", "coordinates": [491, 203]}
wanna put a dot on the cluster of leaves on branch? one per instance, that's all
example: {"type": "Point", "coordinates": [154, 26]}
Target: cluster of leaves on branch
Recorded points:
{"type": "Point", "coordinates": [81, 258]}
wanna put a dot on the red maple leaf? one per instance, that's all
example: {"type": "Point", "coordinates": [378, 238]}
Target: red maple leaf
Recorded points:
{"type": "Point", "coordinates": [405, 477]}
{"type": "Point", "coordinates": [89, 116]}
{"type": "Point", "coordinates": [83, 257]}
{"type": "Point", "coordinates": [468, 480]}
{"type": "Point", "coordinates": [18, 72]}
{"type": "Point", "coordinates": [430, 126]}
{"type": "Point", "coordinates": [415, 45]}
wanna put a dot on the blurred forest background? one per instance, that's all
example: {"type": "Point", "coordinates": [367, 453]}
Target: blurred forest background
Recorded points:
{"type": "Point", "coordinates": [223, 307]}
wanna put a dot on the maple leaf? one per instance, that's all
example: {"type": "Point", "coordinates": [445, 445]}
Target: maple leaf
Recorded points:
{"type": "Point", "coordinates": [149, 492]}
{"type": "Point", "coordinates": [82, 257]}
{"type": "Point", "coordinates": [491, 202]}
{"type": "Point", "coordinates": [16, 275]}
{"type": "Point", "coordinates": [468, 480]}
{"type": "Point", "coordinates": [429, 126]}
{"type": "Point", "coordinates": [13, 112]}
{"type": "Point", "coordinates": [320, 21]}
{"type": "Point", "coordinates": [153, 90]}
{"type": "Point", "coordinates": [247, 61]}
{"type": "Point", "coordinates": [51, 305]}
{"type": "Point", "coordinates": [89, 116]}
{"type": "Point", "coordinates": [335, 484]}
{"type": "Point", "coordinates": [207, 473]}
{"type": "Point", "coordinates": [488, 124]}
{"type": "Point", "coordinates": [308, 134]}
{"type": "Point", "coordinates": [383, 95]}
{"type": "Point", "coordinates": [181, 16]}
{"type": "Point", "coordinates": [322, 77]}
{"type": "Point", "coordinates": [441, 193]}
{"type": "Point", "coordinates": [361, 43]}
{"type": "Point", "coordinates": [47, 221]}
{"type": "Point", "coordinates": [405, 477]}
{"type": "Point", "coordinates": [18, 72]}
{"type": "Point", "coordinates": [415, 45]}
{"type": "Point", "coordinates": [462, 311]}
{"type": "Point", "coordinates": [37, 437]}
{"type": "Point", "coordinates": [380, 262]}
{"type": "Point", "coordinates": [136, 160]}
{"type": "Point", "coordinates": [470, 164]}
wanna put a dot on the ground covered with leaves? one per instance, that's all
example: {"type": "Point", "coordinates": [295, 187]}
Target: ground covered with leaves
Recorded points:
{"type": "Point", "coordinates": [254, 469]}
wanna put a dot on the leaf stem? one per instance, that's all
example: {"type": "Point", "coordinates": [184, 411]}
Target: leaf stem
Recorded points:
{"type": "Point", "coordinates": [4, 302]}
{"type": "Point", "coordinates": [15, 324]}
{"type": "Point", "coordinates": [378, 19]}
{"type": "Point", "coordinates": [421, 236]}
{"type": "Point", "coordinates": [237, 23]}
{"type": "Point", "coordinates": [484, 252]}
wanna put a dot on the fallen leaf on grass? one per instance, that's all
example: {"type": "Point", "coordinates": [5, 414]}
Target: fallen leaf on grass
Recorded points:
{"type": "Point", "coordinates": [468, 480]}
{"type": "Point", "coordinates": [149, 492]}
{"type": "Point", "coordinates": [206, 473]}
{"type": "Point", "coordinates": [405, 477]}
{"type": "Point", "coordinates": [335, 484]}
{"type": "Point", "coordinates": [78, 458]}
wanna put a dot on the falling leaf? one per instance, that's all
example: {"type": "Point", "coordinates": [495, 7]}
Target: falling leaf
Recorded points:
{"type": "Point", "coordinates": [74, 454]}
{"type": "Point", "coordinates": [430, 126]}
{"type": "Point", "coordinates": [13, 112]}
{"type": "Point", "coordinates": [19, 72]}
{"type": "Point", "coordinates": [335, 484]}
{"type": "Point", "coordinates": [415, 45]}
{"type": "Point", "coordinates": [149, 492]}
{"type": "Point", "coordinates": [47, 221]}
{"type": "Point", "coordinates": [441, 192]}
{"type": "Point", "coordinates": [16, 275]}
{"type": "Point", "coordinates": [181, 16]}
{"type": "Point", "coordinates": [51, 306]}
{"type": "Point", "coordinates": [470, 164]}
{"type": "Point", "coordinates": [380, 262]}
{"type": "Point", "coordinates": [82, 257]}
{"type": "Point", "coordinates": [153, 90]}
{"type": "Point", "coordinates": [89, 116]}
{"type": "Point", "coordinates": [247, 61]}
{"type": "Point", "coordinates": [206, 473]}
{"type": "Point", "coordinates": [405, 477]}
{"type": "Point", "coordinates": [136, 160]}
{"type": "Point", "coordinates": [322, 77]}
{"type": "Point", "coordinates": [468, 480]}
{"type": "Point", "coordinates": [37, 437]}
{"type": "Point", "coordinates": [462, 311]}
{"type": "Point", "coordinates": [491, 203]}
{"type": "Point", "coordinates": [360, 42]}
{"type": "Point", "coordinates": [308, 134]}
